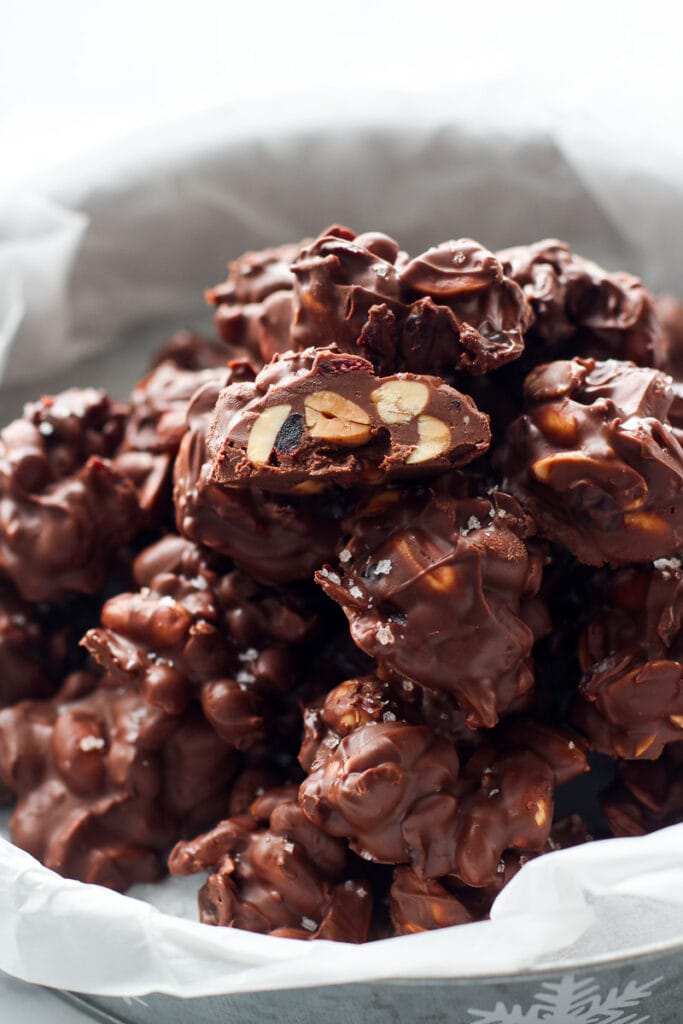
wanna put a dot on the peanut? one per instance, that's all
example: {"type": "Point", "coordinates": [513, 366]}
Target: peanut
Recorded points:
{"type": "Point", "coordinates": [331, 417]}
{"type": "Point", "coordinates": [558, 426]}
{"type": "Point", "coordinates": [400, 401]}
{"type": "Point", "coordinates": [441, 578]}
{"type": "Point", "coordinates": [647, 522]}
{"type": "Point", "coordinates": [434, 439]}
{"type": "Point", "coordinates": [263, 433]}
{"type": "Point", "coordinates": [541, 814]}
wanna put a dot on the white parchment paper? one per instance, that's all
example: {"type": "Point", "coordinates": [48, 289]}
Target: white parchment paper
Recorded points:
{"type": "Point", "coordinates": [98, 264]}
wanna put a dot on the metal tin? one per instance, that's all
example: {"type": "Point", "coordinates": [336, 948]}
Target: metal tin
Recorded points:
{"type": "Point", "coordinates": [629, 990]}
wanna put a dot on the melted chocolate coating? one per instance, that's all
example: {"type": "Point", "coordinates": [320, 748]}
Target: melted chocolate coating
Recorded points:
{"type": "Point", "coordinates": [105, 783]}
{"type": "Point", "coordinates": [275, 872]}
{"type": "Point", "coordinates": [320, 417]}
{"type": "Point", "coordinates": [64, 509]}
{"type": "Point", "coordinates": [489, 307]}
{"type": "Point", "coordinates": [275, 540]}
{"type": "Point", "coordinates": [254, 305]}
{"type": "Point", "coordinates": [409, 791]}
{"type": "Point", "coordinates": [434, 587]}
{"type": "Point", "coordinates": [631, 694]}
{"type": "Point", "coordinates": [159, 403]}
{"type": "Point", "coordinates": [595, 462]}
{"type": "Point", "coordinates": [397, 793]}
{"type": "Point", "coordinates": [423, 904]}
{"type": "Point", "coordinates": [38, 644]}
{"type": "Point", "coordinates": [158, 420]}
{"type": "Point", "coordinates": [450, 308]}
{"type": "Point", "coordinates": [581, 309]}
{"type": "Point", "coordinates": [669, 355]}
{"type": "Point", "coordinates": [198, 629]}
{"type": "Point", "coordinates": [567, 832]}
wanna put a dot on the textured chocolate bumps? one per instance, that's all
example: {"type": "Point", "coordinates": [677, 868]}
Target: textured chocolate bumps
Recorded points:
{"type": "Point", "coordinates": [64, 508]}
{"type": "Point", "coordinates": [595, 462]}
{"type": "Point", "coordinates": [630, 702]}
{"type": "Point", "coordinates": [275, 539]}
{"type": "Point", "coordinates": [105, 783]}
{"type": "Point", "coordinates": [426, 699]}
{"type": "Point", "coordinates": [275, 872]}
{"type": "Point", "coordinates": [436, 586]}
{"type": "Point", "coordinates": [580, 308]}
{"type": "Point", "coordinates": [450, 308]}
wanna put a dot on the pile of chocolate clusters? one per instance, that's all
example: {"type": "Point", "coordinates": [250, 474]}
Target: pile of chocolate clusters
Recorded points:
{"type": "Point", "coordinates": [363, 587]}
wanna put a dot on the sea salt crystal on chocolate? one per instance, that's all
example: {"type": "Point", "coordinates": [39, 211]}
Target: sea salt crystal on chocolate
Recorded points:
{"type": "Point", "coordinates": [89, 743]}
{"type": "Point", "coordinates": [385, 635]}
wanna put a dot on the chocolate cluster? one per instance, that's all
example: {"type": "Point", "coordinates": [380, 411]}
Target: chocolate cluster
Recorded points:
{"type": "Point", "coordinates": [452, 307]}
{"type": "Point", "coordinates": [630, 700]}
{"type": "Point", "coordinates": [105, 782]}
{"type": "Point", "coordinates": [441, 590]}
{"type": "Point", "coordinates": [339, 606]}
{"type": "Point", "coordinates": [64, 507]}
{"type": "Point", "coordinates": [596, 462]}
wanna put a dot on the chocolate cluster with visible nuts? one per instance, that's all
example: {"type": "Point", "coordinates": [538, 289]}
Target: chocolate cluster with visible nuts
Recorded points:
{"type": "Point", "coordinates": [274, 871]}
{"type": "Point", "coordinates": [398, 793]}
{"type": "Point", "coordinates": [362, 581]}
{"type": "Point", "coordinates": [64, 508]}
{"type": "Point", "coordinates": [451, 308]}
{"type": "Point", "coordinates": [200, 630]}
{"type": "Point", "coordinates": [630, 701]}
{"type": "Point", "coordinates": [254, 305]}
{"type": "Point", "coordinates": [596, 463]}
{"type": "Point", "coordinates": [320, 417]}
{"type": "Point", "coordinates": [275, 539]}
{"type": "Point", "coordinates": [580, 308]}
{"type": "Point", "coordinates": [436, 588]}
{"type": "Point", "coordinates": [105, 783]}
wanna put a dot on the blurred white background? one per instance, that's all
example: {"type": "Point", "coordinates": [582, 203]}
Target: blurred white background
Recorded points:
{"type": "Point", "coordinates": [78, 75]}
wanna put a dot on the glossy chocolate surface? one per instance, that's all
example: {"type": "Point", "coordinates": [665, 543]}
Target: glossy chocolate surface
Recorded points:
{"type": "Point", "coordinates": [320, 417]}
{"type": "Point", "coordinates": [596, 463]}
